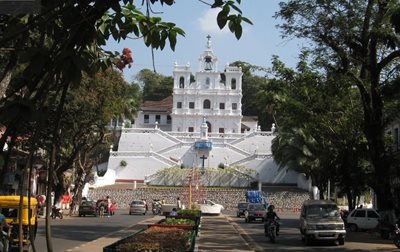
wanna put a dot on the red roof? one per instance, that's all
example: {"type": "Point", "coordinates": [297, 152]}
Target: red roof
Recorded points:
{"type": "Point", "coordinates": [158, 106]}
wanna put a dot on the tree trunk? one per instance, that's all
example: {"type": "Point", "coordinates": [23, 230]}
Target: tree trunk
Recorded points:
{"type": "Point", "coordinates": [350, 200]}
{"type": "Point", "coordinates": [79, 184]}
{"type": "Point", "coordinates": [380, 162]}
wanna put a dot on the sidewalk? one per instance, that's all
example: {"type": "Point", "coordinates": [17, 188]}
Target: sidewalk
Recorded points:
{"type": "Point", "coordinates": [216, 234]}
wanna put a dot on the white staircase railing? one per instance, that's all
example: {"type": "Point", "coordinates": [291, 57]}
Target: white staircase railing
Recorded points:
{"type": "Point", "coordinates": [143, 154]}
{"type": "Point", "coordinates": [252, 157]}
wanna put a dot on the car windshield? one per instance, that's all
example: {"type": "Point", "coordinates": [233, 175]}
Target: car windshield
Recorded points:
{"type": "Point", "coordinates": [256, 207]}
{"type": "Point", "coordinates": [137, 203]}
{"type": "Point", "coordinates": [242, 205]}
{"type": "Point", "coordinates": [322, 211]}
{"type": "Point", "coordinates": [87, 203]}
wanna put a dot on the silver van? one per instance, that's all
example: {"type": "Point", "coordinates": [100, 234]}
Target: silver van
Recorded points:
{"type": "Point", "coordinates": [320, 220]}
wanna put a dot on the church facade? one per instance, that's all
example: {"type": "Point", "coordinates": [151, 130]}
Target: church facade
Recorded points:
{"type": "Point", "coordinates": [213, 95]}
{"type": "Point", "coordinates": [207, 97]}
{"type": "Point", "coordinates": [199, 126]}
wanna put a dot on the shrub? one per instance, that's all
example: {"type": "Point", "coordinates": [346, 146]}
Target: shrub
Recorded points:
{"type": "Point", "coordinates": [157, 239]}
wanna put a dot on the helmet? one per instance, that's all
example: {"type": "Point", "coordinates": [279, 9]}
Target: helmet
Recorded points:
{"type": "Point", "coordinates": [271, 208]}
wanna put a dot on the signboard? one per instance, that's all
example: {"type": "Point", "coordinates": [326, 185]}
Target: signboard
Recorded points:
{"type": "Point", "coordinates": [203, 145]}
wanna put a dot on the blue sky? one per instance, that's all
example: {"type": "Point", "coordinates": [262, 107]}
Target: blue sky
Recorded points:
{"type": "Point", "coordinates": [257, 45]}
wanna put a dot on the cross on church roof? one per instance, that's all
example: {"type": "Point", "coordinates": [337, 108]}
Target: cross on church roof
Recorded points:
{"type": "Point", "coordinates": [208, 41]}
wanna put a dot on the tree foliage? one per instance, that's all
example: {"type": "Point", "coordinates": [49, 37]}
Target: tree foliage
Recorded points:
{"type": "Point", "coordinates": [155, 87]}
{"type": "Point", "coordinates": [358, 39]}
{"type": "Point", "coordinates": [319, 126]}
{"type": "Point", "coordinates": [252, 83]}
{"type": "Point", "coordinates": [52, 51]}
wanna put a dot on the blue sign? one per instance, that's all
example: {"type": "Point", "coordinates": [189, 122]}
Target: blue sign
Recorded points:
{"type": "Point", "coordinates": [203, 145]}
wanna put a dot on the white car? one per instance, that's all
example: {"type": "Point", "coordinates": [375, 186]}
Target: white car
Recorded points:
{"type": "Point", "coordinates": [137, 207]}
{"type": "Point", "coordinates": [362, 218]}
{"type": "Point", "coordinates": [211, 208]}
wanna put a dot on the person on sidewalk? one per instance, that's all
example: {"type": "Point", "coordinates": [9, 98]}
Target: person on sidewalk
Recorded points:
{"type": "Point", "coordinates": [109, 205]}
{"type": "Point", "coordinates": [66, 201]}
{"type": "Point", "coordinates": [178, 203]}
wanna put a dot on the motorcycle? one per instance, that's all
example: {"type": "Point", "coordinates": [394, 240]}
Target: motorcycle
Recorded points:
{"type": "Point", "coordinates": [396, 239]}
{"type": "Point", "coordinates": [270, 230]}
{"type": "Point", "coordinates": [5, 241]}
{"type": "Point", "coordinates": [56, 212]}
{"type": "Point", "coordinates": [156, 208]}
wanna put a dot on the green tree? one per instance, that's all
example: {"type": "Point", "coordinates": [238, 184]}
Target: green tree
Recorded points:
{"type": "Point", "coordinates": [319, 127]}
{"type": "Point", "coordinates": [56, 47]}
{"type": "Point", "coordinates": [155, 87]}
{"type": "Point", "coordinates": [360, 40]}
{"type": "Point", "coordinates": [252, 83]}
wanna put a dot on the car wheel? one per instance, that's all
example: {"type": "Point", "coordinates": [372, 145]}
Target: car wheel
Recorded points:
{"type": "Point", "coordinates": [130, 213]}
{"type": "Point", "coordinates": [307, 240]}
{"type": "Point", "coordinates": [341, 241]}
{"type": "Point", "coordinates": [353, 227]}
{"type": "Point", "coordinates": [385, 234]}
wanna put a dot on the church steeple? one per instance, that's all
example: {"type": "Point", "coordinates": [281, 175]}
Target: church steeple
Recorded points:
{"type": "Point", "coordinates": [208, 61]}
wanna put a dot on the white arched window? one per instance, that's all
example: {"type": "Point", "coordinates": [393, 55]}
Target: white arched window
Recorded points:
{"type": "Point", "coordinates": [206, 104]}
{"type": "Point", "coordinates": [181, 82]}
{"type": "Point", "coordinates": [207, 85]}
{"type": "Point", "coordinates": [233, 83]}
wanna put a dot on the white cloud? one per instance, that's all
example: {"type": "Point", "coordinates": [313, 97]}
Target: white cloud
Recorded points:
{"type": "Point", "coordinates": [208, 22]}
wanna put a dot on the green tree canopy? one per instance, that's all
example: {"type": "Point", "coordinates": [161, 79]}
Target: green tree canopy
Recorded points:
{"type": "Point", "coordinates": [319, 129]}
{"type": "Point", "coordinates": [358, 39]}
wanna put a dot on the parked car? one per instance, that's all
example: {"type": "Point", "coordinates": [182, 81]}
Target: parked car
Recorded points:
{"type": "Point", "coordinates": [137, 207]}
{"type": "Point", "coordinates": [254, 212]}
{"type": "Point", "coordinates": [321, 220]}
{"type": "Point", "coordinates": [241, 207]}
{"type": "Point", "coordinates": [211, 208]}
{"type": "Point", "coordinates": [362, 218]}
{"type": "Point", "coordinates": [87, 207]}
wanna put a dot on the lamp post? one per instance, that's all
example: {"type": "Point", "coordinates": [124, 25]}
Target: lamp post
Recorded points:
{"type": "Point", "coordinates": [259, 181]}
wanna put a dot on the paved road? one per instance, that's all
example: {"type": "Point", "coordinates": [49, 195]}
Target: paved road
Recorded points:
{"type": "Point", "coordinates": [290, 240]}
{"type": "Point", "coordinates": [72, 232]}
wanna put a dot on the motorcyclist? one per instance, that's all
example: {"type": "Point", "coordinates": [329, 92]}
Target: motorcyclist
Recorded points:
{"type": "Point", "coordinates": [271, 216]}
{"type": "Point", "coordinates": [156, 206]}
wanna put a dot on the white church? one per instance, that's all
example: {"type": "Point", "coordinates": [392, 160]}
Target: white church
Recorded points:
{"type": "Point", "coordinates": [199, 126]}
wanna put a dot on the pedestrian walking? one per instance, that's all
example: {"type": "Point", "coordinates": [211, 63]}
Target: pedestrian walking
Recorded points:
{"type": "Point", "coordinates": [109, 205]}
{"type": "Point", "coordinates": [178, 203]}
